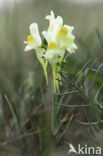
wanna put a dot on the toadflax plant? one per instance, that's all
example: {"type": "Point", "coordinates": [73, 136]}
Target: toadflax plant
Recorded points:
{"type": "Point", "coordinates": [59, 41]}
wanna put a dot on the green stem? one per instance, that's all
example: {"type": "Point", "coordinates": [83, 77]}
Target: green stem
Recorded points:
{"type": "Point", "coordinates": [44, 64]}
{"type": "Point", "coordinates": [55, 81]}
{"type": "Point", "coordinates": [54, 113]}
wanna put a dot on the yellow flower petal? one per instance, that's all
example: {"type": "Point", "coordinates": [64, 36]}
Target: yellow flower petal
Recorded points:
{"type": "Point", "coordinates": [52, 45]}
{"type": "Point", "coordinates": [30, 38]}
{"type": "Point", "coordinates": [63, 31]}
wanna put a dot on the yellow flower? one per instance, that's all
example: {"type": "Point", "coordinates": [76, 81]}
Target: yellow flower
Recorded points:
{"type": "Point", "coordinates": [65, 39]}
{"type": "Point", "coordinates": [34, 39]}
{"type": "Point", "coordinates": [59, 39]}
{"type": "Point", "coordinates": [60, 34]}
{"type": "Point", "coordinates": [34, 42]}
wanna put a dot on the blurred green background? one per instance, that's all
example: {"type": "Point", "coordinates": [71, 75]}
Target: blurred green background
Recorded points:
{"type": "Point", "coordinates": [25, 103]}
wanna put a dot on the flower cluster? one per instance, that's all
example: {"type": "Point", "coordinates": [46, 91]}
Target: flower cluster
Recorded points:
{"type": "Point", "coordinates": [56, 41]}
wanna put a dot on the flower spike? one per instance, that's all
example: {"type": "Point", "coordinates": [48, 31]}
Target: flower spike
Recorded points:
{"type": "Point", "coordinates": [58, 41]}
